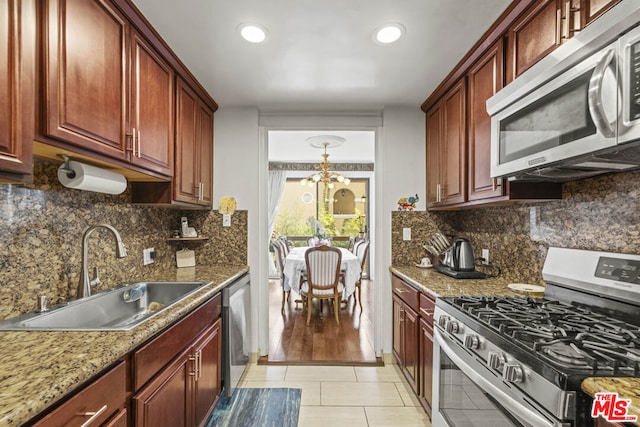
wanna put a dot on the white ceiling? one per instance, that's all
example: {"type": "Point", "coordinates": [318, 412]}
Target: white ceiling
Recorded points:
{"type": "Point", "coordinates": [320, 55]}
{"type": "Point", "coordinates": [292, 146]}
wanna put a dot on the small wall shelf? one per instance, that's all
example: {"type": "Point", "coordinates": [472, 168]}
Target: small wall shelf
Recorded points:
{"type": "Point", "coordinates": [187, 239]}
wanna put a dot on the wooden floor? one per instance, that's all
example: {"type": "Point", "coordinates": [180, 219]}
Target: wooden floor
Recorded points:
{"type": "Point", "coordinates": [291, 341]}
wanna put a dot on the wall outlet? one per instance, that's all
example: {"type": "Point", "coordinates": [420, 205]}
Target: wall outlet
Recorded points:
{"type": "Point", "coordinates": [148, 255]}
{"type": "Point", "coordinates": [406, 233]}
{"type": "Point", "coordinates": [485, 255]}
{"type": "Point", "coordinates": [226, 220]}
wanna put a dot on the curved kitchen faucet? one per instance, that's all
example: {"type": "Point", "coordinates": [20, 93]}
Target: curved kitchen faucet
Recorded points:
{"type": "Point", "coordinates": [85, 284]}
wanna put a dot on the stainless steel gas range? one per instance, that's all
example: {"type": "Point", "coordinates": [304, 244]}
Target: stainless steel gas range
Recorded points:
{"type": "Point", "coordinates": [519, 361]}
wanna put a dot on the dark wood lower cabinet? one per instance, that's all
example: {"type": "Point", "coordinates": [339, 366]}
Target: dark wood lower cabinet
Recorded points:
{"type": "Point", "coordinates": [183, 393]}
{"type": "Point", "coordinates": [102, 402]}
{"type": "Point", "coordinates": [164, 401]}
{"type": "Point", "coordinates": [413, 338]}
{"type": "Point", "coordinates": [406, 323]}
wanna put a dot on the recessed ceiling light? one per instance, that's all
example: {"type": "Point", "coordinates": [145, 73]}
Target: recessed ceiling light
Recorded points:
{"type": "Point", "coordinates": [389, 33]}
{"type": "Point", "coordinates": [252, 33]}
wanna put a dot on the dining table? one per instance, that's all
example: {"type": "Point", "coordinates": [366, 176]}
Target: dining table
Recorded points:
{"type": "Point", "coordinates": [295, 263]}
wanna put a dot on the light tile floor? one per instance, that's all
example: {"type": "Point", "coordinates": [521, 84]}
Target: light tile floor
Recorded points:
{"type": "Point", "coordinates": [345, 395]}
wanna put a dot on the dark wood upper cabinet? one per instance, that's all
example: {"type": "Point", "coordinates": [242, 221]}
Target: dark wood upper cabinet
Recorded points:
{"type": "Point", "coordinates": [446, 148]}
{"type": "Point", "coordinates": [152, 108]}
{"type": "Point", "coordinates": [108, 91]}
{"type": "Point", "coordinates": [194, 154]}
{"type": "Point", "coordinates": [590, 10]}
{"type": "Point", "coordinates": [85, 74]}
{"type": "Point", "coordinates": [17, 89]}
{"type": "Point", "coordinates": [485, 79]}
{"type": "Point", "coordinates": [533, 36]}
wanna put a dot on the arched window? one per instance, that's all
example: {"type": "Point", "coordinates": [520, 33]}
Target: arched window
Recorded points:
{"type": "Point", "coordinates": [344, 202]}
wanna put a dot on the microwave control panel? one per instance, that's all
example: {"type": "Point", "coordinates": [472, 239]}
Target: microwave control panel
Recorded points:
{"type": "Point", "coordinates": [634, 70]}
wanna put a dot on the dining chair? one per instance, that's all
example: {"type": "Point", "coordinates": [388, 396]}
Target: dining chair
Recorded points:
{"type": "Point", "coordinates": [285, 245]}
{"type": "Point", "coordinates": [356, 244]}
{"type": "Point", "coordinates": [361, 252]}
{"type": "Point", "coordinates": [280, 256]}
{"type": "Point", "coordinates": [352, 242]}
{"type": "Point", "coordinates": [324, 279]}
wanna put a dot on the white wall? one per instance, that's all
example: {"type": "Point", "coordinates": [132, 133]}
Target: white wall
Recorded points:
{"type": "Point", "coordinates": [236, 172]}
{"type": "Point", "coordinates": [401, 157]}
{"type": "Point", "coordinates": [241, 171]}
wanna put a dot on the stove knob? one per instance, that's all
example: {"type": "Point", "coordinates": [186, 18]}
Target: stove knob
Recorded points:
{"type": "Point", "coordinates": [513, 373]}
{"type": "Point", "coordinates": [471, 341]}
{"type": "Point", "coordinates": [443, 320]}
{"type": "Point", "coordinates": [496, 360]}
{"type": "Point", "coordinates": [452, 327]}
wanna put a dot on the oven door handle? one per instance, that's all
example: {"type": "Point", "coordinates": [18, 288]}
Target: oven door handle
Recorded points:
{"type": "Point", "coordinates": [512, 405]}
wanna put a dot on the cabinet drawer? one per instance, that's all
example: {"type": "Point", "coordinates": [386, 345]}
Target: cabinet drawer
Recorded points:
{"type": "Point", "coordinates": [158, 352]}
{"type": "Point", "coordinates": [427, 307]}
{"type": "Point", "coordinates": [405, 292]}
{"type": "Point", "coordinates": [102, 398]}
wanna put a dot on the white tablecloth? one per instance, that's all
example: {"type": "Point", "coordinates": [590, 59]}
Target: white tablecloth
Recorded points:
{"type": "Point", "coordinates": [294, 264]}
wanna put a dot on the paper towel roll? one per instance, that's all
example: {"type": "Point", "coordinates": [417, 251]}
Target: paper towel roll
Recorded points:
{"type": "Point", "coordinates": [91, 178]}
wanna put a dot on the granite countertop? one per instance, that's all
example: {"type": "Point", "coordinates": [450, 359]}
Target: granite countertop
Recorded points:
{"type": "Point", "coordinates": [38, 368]}
{"type": "Point", "coordinates": [627, 388]}
{"type": "Point", "coordinates": [436, 284]}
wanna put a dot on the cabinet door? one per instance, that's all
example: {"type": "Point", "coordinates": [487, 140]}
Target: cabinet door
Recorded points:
{"type": "Point", "coordinates": [17, 89]}
{"type": "Point", "coordinates": [485, 80]}
{"type": "Point", "coordinates": [205, 154]}
{"type": "Point", "coordinates": [208, 353]}
{"type": "Point", "coordinates": [152, 108]}
{"type": "Point", "coordinates": [533, 36]}
{"type": "Point", "coordinates": [426, 365]}
{"type": "Point", "coordinates": [454, 141]}
{"type": "Point", "coordinates": [592, 9]}
{"type": "Point", "coordinates": [164, 402]}
{"type": "Point", "coordinates": [397, 330]}
{"type": "Point", "coordinates": [118, 420]}
{"type": "Point", "coordinates": [85, 75]}
{"type": "Point", "coordinates": [434, 136]}
{"type": "Point", "coordinates": [186, 174]}
{"type": "Point", "coordinates": [411, 334]}
{"type": "Point", "coordinates": [100, 399]}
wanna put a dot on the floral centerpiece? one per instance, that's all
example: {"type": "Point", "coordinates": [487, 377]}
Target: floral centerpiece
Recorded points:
{"type": "Point", "coordinates": [227, 208]}
{"type": "Point", "coordinates": [319, 237]}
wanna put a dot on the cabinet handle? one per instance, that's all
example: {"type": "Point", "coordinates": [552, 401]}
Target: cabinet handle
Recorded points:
{"type": "Point", "coordinates": [193, 359]}
{"type": "Point", "coordinates": [426, 313]}
{"type": "Point", "coordinates": [401, 291]}
{"type": "Point", "coordinates": [438, 193]}
{"type": "Point", "coordinates": [199, 363]}
{"type": "Point", "coordinates": [139, 139]}
{"type": "Point", "coordinates": [401, 315]}
{"type": "Point", "coordinates": [201, 191]}
{"type": "Point", "coordinates": [494, 183]}
{"type": "Point", "coordinates": [93, 415]}
{"type": "Point", "coordinates": [134, 137]}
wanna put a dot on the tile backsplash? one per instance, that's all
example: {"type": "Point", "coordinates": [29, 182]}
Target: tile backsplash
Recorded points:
{"type": "Point", "coordinates": [599, 213]}
{"type": "Point", "coordinates": [41, 239]}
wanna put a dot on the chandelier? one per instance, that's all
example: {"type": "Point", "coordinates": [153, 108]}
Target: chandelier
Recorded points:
{"type": "Point", "coordinates": [324, 173]}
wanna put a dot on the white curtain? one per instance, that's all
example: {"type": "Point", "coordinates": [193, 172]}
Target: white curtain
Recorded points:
{"type": "Point", "coordinates": [277, 180]}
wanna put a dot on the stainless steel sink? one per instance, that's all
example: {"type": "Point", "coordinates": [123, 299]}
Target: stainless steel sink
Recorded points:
{"type": "Point", "coordinates": [118, 309]}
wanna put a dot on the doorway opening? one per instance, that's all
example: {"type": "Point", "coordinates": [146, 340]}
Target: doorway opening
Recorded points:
{"type": "Point", "coordinates": [337, 211]}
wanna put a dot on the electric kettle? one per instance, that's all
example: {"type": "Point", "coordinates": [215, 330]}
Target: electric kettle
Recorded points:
{"type": "Point", "coordinates": [462, 256]}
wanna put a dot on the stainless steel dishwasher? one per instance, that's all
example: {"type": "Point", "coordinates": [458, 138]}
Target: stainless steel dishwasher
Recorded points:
{"type": "Point", "coordinates": [236, 318]}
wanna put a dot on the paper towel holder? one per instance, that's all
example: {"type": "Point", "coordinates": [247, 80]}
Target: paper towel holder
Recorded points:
{"type": "Point", "coordinates": [66, 168]}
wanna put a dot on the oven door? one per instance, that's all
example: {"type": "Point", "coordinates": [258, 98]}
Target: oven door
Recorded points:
{"type": "Point", "coordinates": [467, 393]}
{"type": "Point", "coordinates": [571, 115]}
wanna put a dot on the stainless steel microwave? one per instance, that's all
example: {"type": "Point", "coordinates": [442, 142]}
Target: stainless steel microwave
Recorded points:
{"type": "Point", "coordinates": [576, 113]}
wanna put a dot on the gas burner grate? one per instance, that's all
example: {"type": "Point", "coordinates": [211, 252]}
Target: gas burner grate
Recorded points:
{"type": "Point", "coordinates": [567, 336]}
